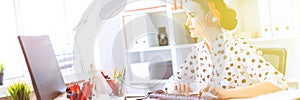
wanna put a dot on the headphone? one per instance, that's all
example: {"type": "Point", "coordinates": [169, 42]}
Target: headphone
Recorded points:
{"type": "Point", "coordinates": [221, 14]}
{"type": "Point", "coordinates": [211, 19]}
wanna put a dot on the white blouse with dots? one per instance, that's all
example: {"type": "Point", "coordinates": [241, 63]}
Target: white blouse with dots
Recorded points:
{"type": "Point", "coordinates": [232, 62]}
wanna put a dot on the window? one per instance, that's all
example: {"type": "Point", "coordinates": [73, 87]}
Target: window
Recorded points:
{"type": "Point", "coordinates": [10, 51]}
{"type": "Point", "coordinates": [55, 18]}
{"type": "Point", "coordinates": [38, 17]}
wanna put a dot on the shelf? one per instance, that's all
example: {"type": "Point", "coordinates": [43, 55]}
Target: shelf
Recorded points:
{"type": "Point", "coordinates": [160, 9]}
{"type": "Point", "coordinates": [151, 49]}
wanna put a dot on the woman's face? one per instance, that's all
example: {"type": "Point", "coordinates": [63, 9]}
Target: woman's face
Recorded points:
{"type": "Point", "coordinates": [194, 26]}
{"type": "Point", "coordinates": [196, 20]}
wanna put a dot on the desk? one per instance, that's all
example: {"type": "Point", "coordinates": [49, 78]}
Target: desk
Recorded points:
{"type": "Point", "coordinates": [291, 94]}
{"type": "Point", "coordinates": [281, 95]}
{"type": "Point", "coordinates": [99, 97]}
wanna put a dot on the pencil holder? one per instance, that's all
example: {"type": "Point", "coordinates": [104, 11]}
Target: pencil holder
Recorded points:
{"type": "Point", "coordinates": [117, 86]}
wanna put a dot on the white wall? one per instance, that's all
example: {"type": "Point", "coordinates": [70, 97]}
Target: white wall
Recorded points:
{"type": "Point", "coordinates": [296, 15]}
{"type": "Point", "coordinates": [291, 44]}
{"type": "Point", "coordinates": [247, 15]}
{"type": "Point", "coordinates": [249, 21]}
{"type": "Point", "coordinates": [111, 45]}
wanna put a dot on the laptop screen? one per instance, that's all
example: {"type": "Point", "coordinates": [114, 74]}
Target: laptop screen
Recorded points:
{"type": "Point", "coordinates": [42, 65]}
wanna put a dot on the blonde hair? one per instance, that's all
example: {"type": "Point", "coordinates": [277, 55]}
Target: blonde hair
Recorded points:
{"type": "Point", "coordinates": [227, 15]}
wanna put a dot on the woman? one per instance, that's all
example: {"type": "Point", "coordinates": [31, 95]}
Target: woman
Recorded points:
{"type": "Point", "coordinates": [225, 66]}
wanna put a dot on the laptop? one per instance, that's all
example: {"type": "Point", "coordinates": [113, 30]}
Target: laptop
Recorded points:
{"type": "Point", "coordinates": [43, 67]}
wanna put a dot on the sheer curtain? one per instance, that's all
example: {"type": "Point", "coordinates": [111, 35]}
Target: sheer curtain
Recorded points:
{"type": "Point", "coordinates": [47, 17]}
{"type": "Point", "coordinates": [10, 51]}
{"type": "Point", "coordinates": [55, 18]}
{"type": "Point", "coordinates": [44, 17]}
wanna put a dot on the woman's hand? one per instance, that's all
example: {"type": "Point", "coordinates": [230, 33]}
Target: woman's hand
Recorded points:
{"type": "Point", "coordinates": [219, 92]}
{"type": "Point", "coordinates": [182, 88]}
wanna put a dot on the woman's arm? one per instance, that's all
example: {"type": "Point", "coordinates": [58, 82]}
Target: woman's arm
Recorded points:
{"type": "Point", "coordinates": [243, 92]}
{"type": "Point", "coordinates": [248, 91]}
{"type": "Point", "coordinates": [186, 74]}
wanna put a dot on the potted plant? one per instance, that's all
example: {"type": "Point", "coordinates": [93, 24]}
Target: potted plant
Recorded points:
{"type": "Point", "coordinates": [1, 73]}
{"type": "Point", "coordinates": [19, 91]}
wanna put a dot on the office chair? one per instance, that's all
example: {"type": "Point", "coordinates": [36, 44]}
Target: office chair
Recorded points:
{"type": "Point", "coordinates": [42, 65]}
{"type": "Point", "coordinates": [277, 57]}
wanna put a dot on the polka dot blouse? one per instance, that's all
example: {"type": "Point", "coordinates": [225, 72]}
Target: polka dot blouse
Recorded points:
{"type": "Point", "coordinates": [232, 62]}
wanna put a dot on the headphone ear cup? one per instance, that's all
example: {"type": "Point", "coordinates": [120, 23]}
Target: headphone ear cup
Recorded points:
{"type": "Point", "coordinates": [211, 19]}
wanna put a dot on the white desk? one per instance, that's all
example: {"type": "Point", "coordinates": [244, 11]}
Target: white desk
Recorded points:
{"type": "Point", "coordinates": [100, 97]}
{"type": "Point", "coordinates": [281, 95]}
{"type": "Point", "coordinates": [291, 94]}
